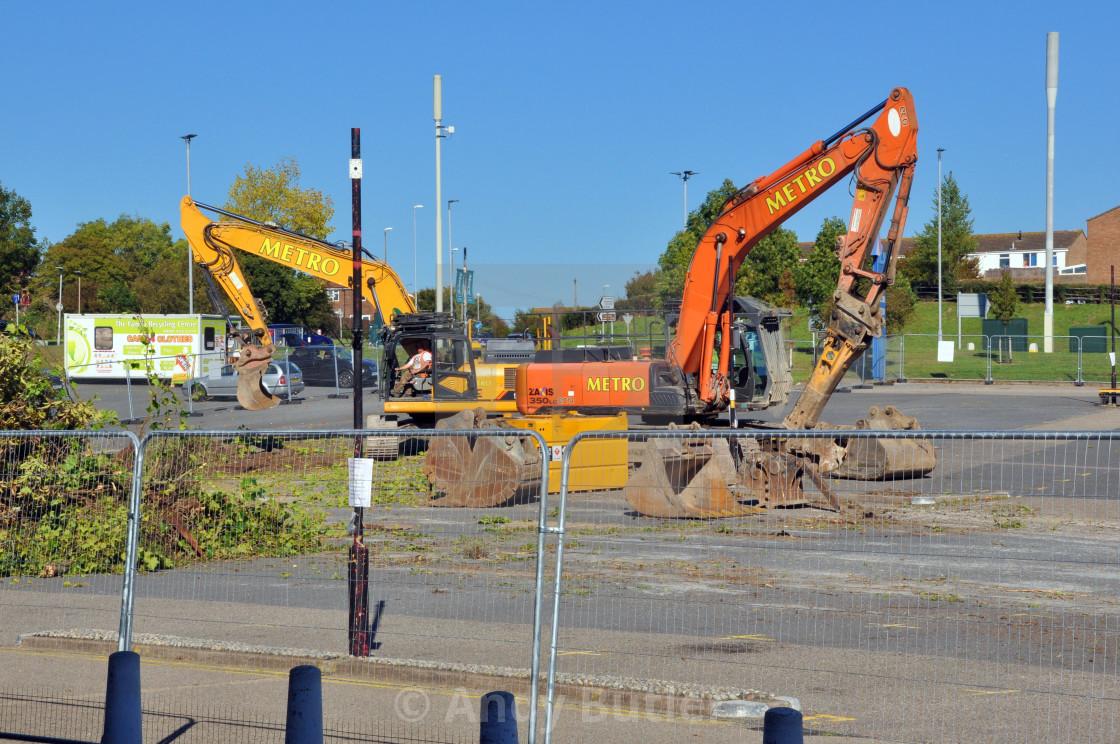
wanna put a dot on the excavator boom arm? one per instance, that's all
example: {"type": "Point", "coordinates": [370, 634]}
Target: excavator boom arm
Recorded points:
{"type": "Point", "coordinates": [213, 244]}
{"type": "Point", "coordinates": [882, 157]}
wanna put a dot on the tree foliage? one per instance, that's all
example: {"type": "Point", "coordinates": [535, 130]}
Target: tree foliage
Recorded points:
{"type": "Point", "coordinates": [957, 242]}
{"type": "Point", "coordinates": [674, 261]}
{"type": "Point", "coordinates": [768, 270]}
{"type": "Point", "coordinates": [641, 292]}
{"type": "Point", "coordinates": [902, 304]}
{"type": "Point", "coordinates": [1004, 300]}
{"type": "Point", "coordinates": [275, 195]}
{"type": "Point", "coordinates": [19, 250]}
{"type": "Point", "coordinates": [129, 265]}
{"type": "Point", "coordinates": [816, 278]}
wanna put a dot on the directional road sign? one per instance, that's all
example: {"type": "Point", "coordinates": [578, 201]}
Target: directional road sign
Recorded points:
{"type": "Point", "coordinates": [608, 317]}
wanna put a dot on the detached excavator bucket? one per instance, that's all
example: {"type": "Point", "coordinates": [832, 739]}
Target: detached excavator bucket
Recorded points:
{"type": "Point", "coordinates": [700, 478]}
{"type": "Point", "coordinates": [480, 471]}
{"type": "Point", "coordinates": [882, 459]}
{"type": "Point", "coordinates": [250, 366]}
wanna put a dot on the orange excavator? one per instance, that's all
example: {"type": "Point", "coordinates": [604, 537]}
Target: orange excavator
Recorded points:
{"type": "Point", "coordinates": [705, 476]}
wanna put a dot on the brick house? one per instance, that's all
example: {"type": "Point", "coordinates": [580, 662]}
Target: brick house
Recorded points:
{"type": "Point", "coordinates": [1103, 245]}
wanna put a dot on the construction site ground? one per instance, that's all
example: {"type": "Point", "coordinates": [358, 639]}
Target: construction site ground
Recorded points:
{"type": "Point", "coordinates": [53, 672]}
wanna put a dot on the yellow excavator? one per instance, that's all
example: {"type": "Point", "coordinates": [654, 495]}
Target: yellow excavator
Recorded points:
{"type": "Point", "coordinates": [455, 384]}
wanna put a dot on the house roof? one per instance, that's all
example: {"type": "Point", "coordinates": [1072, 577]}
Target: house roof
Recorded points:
{"type": "Point", "coordinates": [1102, 214]}
{"type": "Point", "coordinates": [1028, 241]}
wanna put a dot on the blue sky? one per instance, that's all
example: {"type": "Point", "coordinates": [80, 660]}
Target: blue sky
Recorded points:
{"type": "Point", "coordinates": [569, 117]}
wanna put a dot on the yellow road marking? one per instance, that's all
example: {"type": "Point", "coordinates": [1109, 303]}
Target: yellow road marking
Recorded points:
{"type": "Point", "coordinates": [751, 637]}
{"type": "Point", "coordinates": [897, 625]}
{"type": "Point", "coordinates": [990, 692]}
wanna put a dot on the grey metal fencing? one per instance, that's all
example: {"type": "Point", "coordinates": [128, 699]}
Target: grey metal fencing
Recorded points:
{"type": "Point", "coordinates": [974, 602]}
{"type": "Point", "coordinates": [64, 520]}
{"type": "Point", "coordinates": [243, 556]}
{"type": "Point", "coordinates": [1006, 358]}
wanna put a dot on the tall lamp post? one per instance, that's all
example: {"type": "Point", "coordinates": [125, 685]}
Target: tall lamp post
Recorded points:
{"type": "Point", "coordinates": [414, 208]}
{"type": "Point", "coordinates": [939, 151]}
{"type": "Point", "coordinates": [451, 253]}
{"type": "Point", "coordinates": [386, 235]}
{"type": "Point", "coordinates": [79, 291]}
{"type": "Point", "coordinates": [190, 257]}
{"type": "Point", "coordinates": [58, 338]}
{"type": "Point", "coordinates": [684, 176]}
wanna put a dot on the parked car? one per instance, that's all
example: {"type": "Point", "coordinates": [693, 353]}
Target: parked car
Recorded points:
{"type": "Point", "coordinates": [277, 380]}
{"type": "Point", "coordinates": [319, 365]}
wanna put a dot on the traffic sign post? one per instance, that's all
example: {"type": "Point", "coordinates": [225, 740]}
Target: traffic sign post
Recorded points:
{"type": "Point", "coordinates": [606, 317]}
{"type": "Point", "coordinates": [606, 303]}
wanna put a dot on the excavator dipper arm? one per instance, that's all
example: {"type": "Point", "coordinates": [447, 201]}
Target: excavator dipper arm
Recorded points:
{"type": "Point", "coordinates": [213, 244]}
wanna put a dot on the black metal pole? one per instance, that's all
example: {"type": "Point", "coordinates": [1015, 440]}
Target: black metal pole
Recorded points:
{"type": "Point", "coordinates": [359, 552]}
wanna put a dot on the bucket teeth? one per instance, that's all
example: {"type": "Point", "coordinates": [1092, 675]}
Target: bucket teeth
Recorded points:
{"type": "Point", "coordinates": [486, 472]}
{"type": "Point", "coordinates": [686, 479]}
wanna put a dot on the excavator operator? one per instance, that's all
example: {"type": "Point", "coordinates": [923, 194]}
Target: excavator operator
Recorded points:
{"type": "Point", "coordinates": [420, 365]}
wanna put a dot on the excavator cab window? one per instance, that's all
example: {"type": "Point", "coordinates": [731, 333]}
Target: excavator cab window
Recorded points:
{"type": "Point", "coordinates": [453, 369]}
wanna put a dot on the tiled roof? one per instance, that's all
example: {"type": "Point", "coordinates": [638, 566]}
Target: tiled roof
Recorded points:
{"type": "Point", "coordinates": [1028, 241]}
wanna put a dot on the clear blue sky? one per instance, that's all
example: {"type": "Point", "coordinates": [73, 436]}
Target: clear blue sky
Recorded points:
{"type": "Point", "coordinates": [569, 116]}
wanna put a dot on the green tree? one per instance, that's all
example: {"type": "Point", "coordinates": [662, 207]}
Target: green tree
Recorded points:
{"type": "Point", "coordinates": [641, 292]}
{"type": "Point", "coordinates": [1003, 304]}
{"type": "Point", "coordinates": [275, 195]}
{"type": "Point", "coordinates": [768, 270]}
{"type": "Point", "coordinates": [957, 242]}
{"type": "Point", "coordinates": [674, 261]}
{"type": "Point", "coordinates": [19, 250]}
{"type": "Point", "coordinates": [902, 304]}
{"type": "Point", "coordinates": [816, 278]}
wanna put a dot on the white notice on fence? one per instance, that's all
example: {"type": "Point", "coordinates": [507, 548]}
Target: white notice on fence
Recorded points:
{"type": "Point", "coordinates": [361, 480]}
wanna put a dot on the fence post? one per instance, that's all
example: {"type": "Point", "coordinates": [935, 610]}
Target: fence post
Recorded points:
{"type": "Point", "coordinates": [123, 718]}
{"type": "Point", "coordinates": [305, 706]}
{"type": "Point", "coordinates": [288, 371]}
{"type": "Point", "coordinates": [128, 387]}
{"type": "Point", "coordinates": [1080, 379]}
{"type": "Point", "coordinates": [498, 719]}
{"type": "Point", "coordinates": [132, 544]}
{"type": "Point", "coordinates": [988, 343]}
{"type": "Point", "coordinates": [902, 358]}
{"type": "Point", "coordinates": [334, 356]}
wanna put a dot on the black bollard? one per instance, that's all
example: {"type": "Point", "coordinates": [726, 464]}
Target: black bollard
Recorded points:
{"type": "Point", "coordinates": [498, 719]}
{"type": "Point", "coordinates": [122, 700]}
{"type": "Point", "coordinates": [305, 706]}
{"type": "Point", "coordinates": [782, 726]}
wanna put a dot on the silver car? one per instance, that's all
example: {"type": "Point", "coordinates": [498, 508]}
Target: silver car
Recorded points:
{"type": "Point", "coordinates": [280, 378]}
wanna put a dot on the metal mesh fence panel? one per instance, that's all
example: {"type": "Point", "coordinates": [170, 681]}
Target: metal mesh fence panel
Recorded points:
{"type": "Point", "coordinates": [245, 551]}
{"type": "Point", "coordinates": [64, 512]}
{"type": "Point", "coordinates": [975, 601]}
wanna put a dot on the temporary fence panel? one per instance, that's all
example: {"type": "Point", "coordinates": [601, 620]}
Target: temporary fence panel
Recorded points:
{"type": "Point", "coordinates": [975, 602]}
{"type": "Point", "coordinates": [64, 519]}
{"type": "Point", "coordinates": [244, 556]}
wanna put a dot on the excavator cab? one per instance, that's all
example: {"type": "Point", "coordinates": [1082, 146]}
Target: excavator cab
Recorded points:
{"type": "Point", "coordinates": [451, 376]}
{"type": "Point", "coordinates": [758, 370]}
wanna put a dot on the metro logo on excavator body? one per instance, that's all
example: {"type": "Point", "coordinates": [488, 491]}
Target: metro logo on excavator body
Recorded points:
{"type": "Point", "coordinates": [299, 257]}
{"type": "Point", "coordinates": [803, 183]}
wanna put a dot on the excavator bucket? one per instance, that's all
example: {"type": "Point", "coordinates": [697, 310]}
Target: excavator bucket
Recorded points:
{"type": "Point", "coordinates": [480, 471]}
{"type": "Point", "coordinates": [883, 459]}
{"type": "Point", "coordinates": [701, 478]}
{"type": "Point", "coordinates": [250, 367]}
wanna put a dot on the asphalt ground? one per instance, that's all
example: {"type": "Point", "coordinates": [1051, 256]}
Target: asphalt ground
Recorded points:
{"type": "Point", "coordinates": [192, 696]}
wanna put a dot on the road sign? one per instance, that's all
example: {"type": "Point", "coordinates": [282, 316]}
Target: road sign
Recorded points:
{"type": "Point", "coordinates": [478, 325]}
{"type": "Point", "coordinates": [608, 317]}
{"type": "Point", "coordinates": [606, 303]}
{"type": "Point", "coordinates": [15, 298]}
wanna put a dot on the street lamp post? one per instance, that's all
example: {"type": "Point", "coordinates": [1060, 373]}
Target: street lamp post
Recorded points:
{"type": "Point", "coordinates": [684, 176]}
{"type": "Point", "coordinates": [437, 112]}
{"type": "Point", "coordinates": [386, 235]}
{"type": "Point", "coordinates": [190, 257]}
{"type": "Point", "coordinates": [58, 336]}
{"type": "Point", "coordinates": [451, 253]}
{"type": "Point", "coordinates": [939, 151]}
{"type": "Point", "coordinates": [79, 291]}
{"type": "Point", "coordinates": [478, 307]}
{"type": "Point", "coordinates": [414, 208]}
